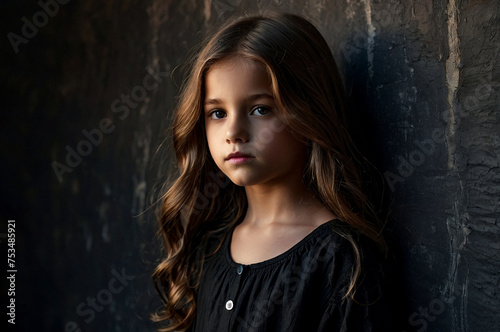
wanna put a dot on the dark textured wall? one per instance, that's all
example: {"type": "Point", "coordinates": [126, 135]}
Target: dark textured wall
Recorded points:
{"type": "Point", "coordinates": [87, 96]}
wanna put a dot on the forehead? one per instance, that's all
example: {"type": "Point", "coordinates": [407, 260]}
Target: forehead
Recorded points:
{"type": "Point", "coordinates": [236, 74]}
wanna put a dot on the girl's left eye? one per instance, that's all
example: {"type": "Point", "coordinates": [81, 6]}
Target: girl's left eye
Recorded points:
{"type": "Point", "coordinates": [260, 111]}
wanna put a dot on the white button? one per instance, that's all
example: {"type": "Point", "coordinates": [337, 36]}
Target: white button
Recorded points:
{"type": "Point", "coordinates": [229, 305]}
{"type": "Point", "coordinates": [239, 269]}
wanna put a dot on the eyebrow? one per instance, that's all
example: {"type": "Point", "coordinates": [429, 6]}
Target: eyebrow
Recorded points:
{"type": "Point", "coordinates": [216, 101]}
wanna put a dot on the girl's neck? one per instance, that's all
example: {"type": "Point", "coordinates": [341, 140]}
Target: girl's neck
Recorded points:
{"type": "Point", "coordinates": [287, 203]}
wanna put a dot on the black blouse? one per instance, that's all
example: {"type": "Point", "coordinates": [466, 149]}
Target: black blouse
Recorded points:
{"type": "Point", "coordinates": [300, 290]}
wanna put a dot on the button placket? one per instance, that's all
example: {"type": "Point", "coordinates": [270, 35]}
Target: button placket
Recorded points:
{"type": "Point", "coordinates": [230, 301]}
{"type": "Point", "coordinates": [233, 300]}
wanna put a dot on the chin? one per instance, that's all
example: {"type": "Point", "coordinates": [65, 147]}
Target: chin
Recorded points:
{"type": "Point", "coordinates": [242, 182]}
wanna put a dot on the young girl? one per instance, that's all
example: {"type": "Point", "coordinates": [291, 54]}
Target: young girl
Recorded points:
{"type": "Point", "coordinates": [266, 227]}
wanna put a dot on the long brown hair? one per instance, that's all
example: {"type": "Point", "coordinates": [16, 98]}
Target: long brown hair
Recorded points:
{"type": "Point", "coordinates": [202, 205]}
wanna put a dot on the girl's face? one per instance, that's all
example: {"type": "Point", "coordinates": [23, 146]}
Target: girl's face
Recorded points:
{"type": "Point", "coordinates": [247, 140]}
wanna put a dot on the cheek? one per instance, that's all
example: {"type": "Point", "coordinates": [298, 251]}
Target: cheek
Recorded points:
{"type": "Point", "coordinates": [211, 144]}
{"type": "Point", "coordinates": [283, 147]}
{"type": "Point", "coordinates": [210, 137]}
{"type": "Point", "coordinates": [270, 136]}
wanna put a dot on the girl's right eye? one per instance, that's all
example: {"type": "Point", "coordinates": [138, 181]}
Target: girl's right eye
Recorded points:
{"type": "Point", "coordinates": [217, 114]}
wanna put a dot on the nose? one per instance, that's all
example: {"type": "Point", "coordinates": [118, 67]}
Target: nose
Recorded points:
{"type": "Point", "coordinates": [237, 130]}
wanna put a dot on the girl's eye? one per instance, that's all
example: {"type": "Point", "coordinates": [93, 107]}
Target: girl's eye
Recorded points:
{"type": "Point", "coordinates": [260, 111]}
{"type": "Point", "coordinates": [217, 114]}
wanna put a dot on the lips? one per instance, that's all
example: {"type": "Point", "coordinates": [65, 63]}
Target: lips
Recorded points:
{"type": "Point", "coordinates": [238, 158]}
